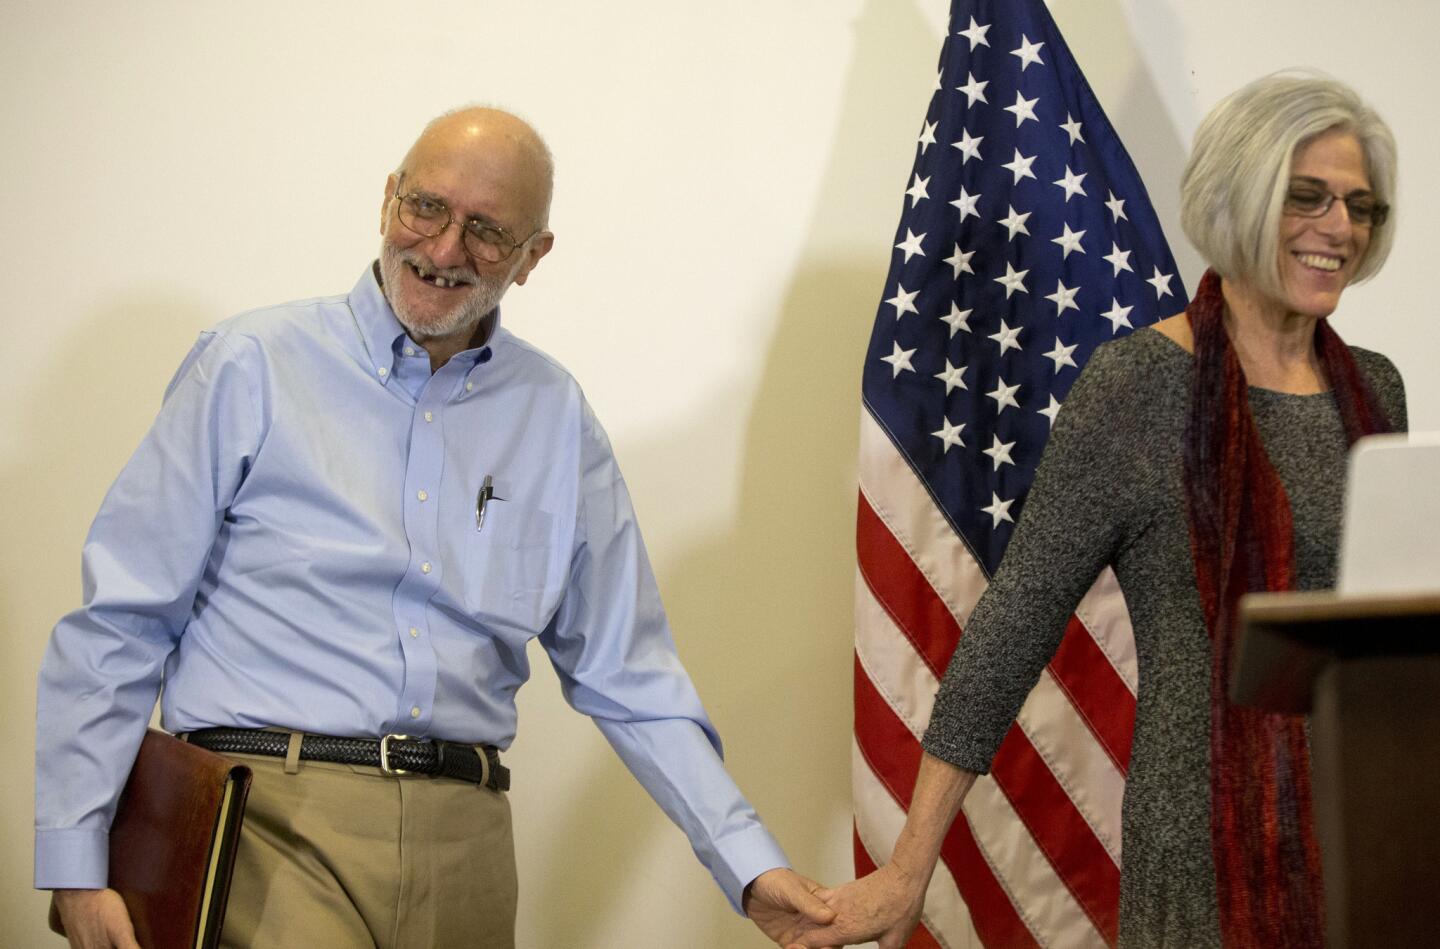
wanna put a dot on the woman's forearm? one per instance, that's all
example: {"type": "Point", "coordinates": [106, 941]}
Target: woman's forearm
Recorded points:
{"type": "Point", "coordinates": [940, 788]}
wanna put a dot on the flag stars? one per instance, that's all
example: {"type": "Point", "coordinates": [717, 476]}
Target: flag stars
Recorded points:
{"type": "Point", "coordinates": [1023, 109]}
{"type": "Point", "coordinates": [1015, 223]}
{"type": "Point", "coordinates": [1119, 259]}
{"type": "Point", "coordinates": [960, 260]}
{"type": "Point", "coordinates": [1028, 52]}
{"type": "Point", "coordinates": [1003, 395]}
{"type": "Point", "coordinates": [1068, 241]}
{"type": "Point", "coordinates": [1117, 208]}
{"type": "Point", "coordinates": [899, 360]}
{"type": "Point", "coordinates": [1063, 297]}
{"type": "Point", "coordinates": [1050, 411]}
{"type": "Point", "coordinates": [966, 204]}
{"type": "Point", "coordinates": [1020, 166]}
{"type": "Point", "coordinates": [1161, 283]}
{"type": "Point", "coordinates": [951, 377]}
{"type": "Point", "coordinates": [957, 320]}
{"type": "Point", "coordinates": [903, 301]}
{"type": "Point", "coordinates": [918, 190]}
{"type": "Point", "coordinates": [1013, 280]}
{"type": "Point", "coordinates": [969, 146]}
{"type": "Point", "coordinates": [975, 34]}
{"type": "Point", "coordinates": [999, 452]}
{"type": "Point", "coordinates": [911, 245]}
{"type": "Point", "coordinates": [1071, 184]}
{"type": "Point", "coordinates": [927, 136]}
{"type": "Point", "coordinates": [1117, 315]}
{"type": "Point", "coordinates": [998, 510]}
{"type": "Point", "coordinates": [1062, 355]}
{"type": "Point", "coordinates": [1008, 339]}
{"type": "Point", "coordinates": [949, 434]}
{"type": "Point", "coordinates": [1072, 129]}
{"type": "Point", "coordinates": [974, 91]}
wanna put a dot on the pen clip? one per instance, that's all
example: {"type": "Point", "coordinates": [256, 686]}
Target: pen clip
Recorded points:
{"type": "Point", "coordinates": [483, 498]}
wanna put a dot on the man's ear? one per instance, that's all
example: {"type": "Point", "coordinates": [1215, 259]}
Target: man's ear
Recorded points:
{"type": "Point", "coordinates": [390, 184]}
{"type": "Point", "coordinates": [538, 247]}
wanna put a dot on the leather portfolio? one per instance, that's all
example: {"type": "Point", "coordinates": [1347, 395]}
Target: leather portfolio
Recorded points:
{"type": "Point", "coordinates": [173, 842]}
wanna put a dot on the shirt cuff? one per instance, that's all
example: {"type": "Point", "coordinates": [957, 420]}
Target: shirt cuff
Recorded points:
{"type": "Point", "coordinates": [741, 857]}
{"type": "Point", "coordinates": [71, 859]}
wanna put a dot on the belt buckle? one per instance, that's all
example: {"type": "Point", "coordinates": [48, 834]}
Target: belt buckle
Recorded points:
{"type": "Point", "coordinates": [385, 754]}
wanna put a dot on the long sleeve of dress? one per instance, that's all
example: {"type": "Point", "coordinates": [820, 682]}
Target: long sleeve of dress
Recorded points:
{"type": "Point", "coordinates": [1080, 512]}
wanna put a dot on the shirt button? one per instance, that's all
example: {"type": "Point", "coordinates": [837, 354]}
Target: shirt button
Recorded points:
{"type": "Point", "coordinates": [414, 633]}
{"type": "Point", "coordinates": [422, 495]}
{"type": "Point", "coordinates": [425, 567]}
{"type": "Point", "coordinates": [383, 372]}
{"type": "Point", "coordinates": [415, 711]}
{"type": "Point", "coordinates": [469, 386]}
{"type": "Point", "coordinates": [429, 416]}
{"type": "Point", "coordinates": [409, 350]}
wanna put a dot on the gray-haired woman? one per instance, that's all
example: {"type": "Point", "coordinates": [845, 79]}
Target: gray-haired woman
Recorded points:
{"type": "Point", "coordinates": [1201, 459]}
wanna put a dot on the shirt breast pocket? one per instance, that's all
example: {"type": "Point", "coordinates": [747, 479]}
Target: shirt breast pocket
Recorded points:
{"type": "Point", "coordinates": [507, 564]}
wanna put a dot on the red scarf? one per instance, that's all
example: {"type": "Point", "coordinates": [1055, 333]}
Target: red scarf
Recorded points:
{"type": "Point", "coordinates": [1267, 861]}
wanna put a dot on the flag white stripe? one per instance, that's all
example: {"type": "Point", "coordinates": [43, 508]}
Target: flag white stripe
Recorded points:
{"type": "Point", "coordinates": [907, 510]}
{"type": "Point", "coordinates": [1103, 612]}
{"type": "Point", "coordinates": [1076, 759]}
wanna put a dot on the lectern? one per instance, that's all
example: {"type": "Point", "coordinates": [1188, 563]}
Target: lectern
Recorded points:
{"type": "Point", "coordinates": [1367, 669]}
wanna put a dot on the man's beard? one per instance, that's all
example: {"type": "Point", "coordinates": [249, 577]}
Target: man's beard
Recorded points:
{"type": "Point", "coordinates": [470, 308]}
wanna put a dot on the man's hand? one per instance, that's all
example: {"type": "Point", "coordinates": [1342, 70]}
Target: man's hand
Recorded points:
{"type": "Point", "coordinates": [95, 919]}
{"type": "Point", "coordinates": [884, 905]}
{"type": "Point", "coordinates": [783, 903]}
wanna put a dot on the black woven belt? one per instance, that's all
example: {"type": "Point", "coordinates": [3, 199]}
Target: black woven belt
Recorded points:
{"type": "Point", "coordinates": [393, 754]}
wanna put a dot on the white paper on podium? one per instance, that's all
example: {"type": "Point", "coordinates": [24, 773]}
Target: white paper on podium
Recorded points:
{"type": "Point", "coordinates": [1390, 539]}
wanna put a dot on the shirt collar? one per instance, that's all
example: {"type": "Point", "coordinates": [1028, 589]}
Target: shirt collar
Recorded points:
{"type": "Point", "coordinates": [385, 337]}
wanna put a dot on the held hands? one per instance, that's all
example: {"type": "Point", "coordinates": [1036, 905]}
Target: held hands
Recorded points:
{"type": "Point", "coordinates": [783, 903]}
{"type": "Point", "coordinates": [95, 919]}
{"type": "Point", "coordinates": [884, 905]}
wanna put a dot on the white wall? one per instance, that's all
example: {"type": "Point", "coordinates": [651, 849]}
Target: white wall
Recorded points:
{"type": "Point", "coordinates": [730, 174]}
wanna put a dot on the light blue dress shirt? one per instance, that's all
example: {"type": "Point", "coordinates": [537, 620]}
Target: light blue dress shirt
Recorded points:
{"type": "Point", "coordinates": [294, 544]}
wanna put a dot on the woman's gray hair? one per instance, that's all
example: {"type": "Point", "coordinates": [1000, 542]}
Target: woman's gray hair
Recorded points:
{"type": "Point", "coordinates": [1233, 191]}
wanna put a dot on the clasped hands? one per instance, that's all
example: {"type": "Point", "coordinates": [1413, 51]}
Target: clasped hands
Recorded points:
{"type": "Point", "coordinates": [799, 913]}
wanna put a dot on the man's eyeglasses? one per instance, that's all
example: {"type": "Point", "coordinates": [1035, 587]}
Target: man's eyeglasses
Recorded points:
{"type": "Point", "coordinates": [1309, 200]}
{"type": "Point", "coordinates": [429, 216]}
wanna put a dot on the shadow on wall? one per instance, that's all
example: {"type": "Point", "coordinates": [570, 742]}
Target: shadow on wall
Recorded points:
{"type": "Point", "coordinates": [772, 599]}
{"type": "Point", "coordinates": [85, 414]}
{"type": "Point", "coordinates": [771, 602]}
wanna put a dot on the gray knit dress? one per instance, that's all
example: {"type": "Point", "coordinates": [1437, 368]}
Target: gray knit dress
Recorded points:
{"type": "Point", "coordinates": [1109, 491]}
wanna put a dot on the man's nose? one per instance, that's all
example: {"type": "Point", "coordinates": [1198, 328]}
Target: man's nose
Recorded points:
{"type": "Point", "coordinates": [447, 249]}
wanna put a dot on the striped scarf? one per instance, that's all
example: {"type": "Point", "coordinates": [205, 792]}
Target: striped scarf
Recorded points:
{"type": "Point", "coordinates": [1267, 861]}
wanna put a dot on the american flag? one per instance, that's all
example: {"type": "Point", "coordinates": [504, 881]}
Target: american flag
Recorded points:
{"type": "Point", "coordinates": [1026, 240]}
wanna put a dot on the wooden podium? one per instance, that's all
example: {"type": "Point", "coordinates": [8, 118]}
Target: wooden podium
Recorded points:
{"type": "Point", "coordinates": [1367, 669]}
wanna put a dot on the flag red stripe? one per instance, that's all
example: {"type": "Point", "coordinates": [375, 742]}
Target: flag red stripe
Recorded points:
{"type": "Point", "coordinates": [894, 756]}
{"type": "Point", "coordinates": [1098, 693]}
{"type": "Point", "coordinates": [1059, 829]}
{"type": "Point", "coordinates": [903, 591]}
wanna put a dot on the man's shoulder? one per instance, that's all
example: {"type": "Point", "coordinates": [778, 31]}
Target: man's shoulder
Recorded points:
{"type": "Point", "coordinates": [263, 324]}
{"type": "Point", "coordinates": [531, 359]}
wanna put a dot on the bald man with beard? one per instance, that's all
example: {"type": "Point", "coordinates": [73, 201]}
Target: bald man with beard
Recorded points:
{"type": "Point", "coordinates": [349, 519]}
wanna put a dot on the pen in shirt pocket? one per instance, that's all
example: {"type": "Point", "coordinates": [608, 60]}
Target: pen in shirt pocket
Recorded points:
{"type": "Point", "coordinates": [485, 495]}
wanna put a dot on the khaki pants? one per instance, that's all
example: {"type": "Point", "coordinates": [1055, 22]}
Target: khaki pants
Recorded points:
{"type": "Point", "coordinates": [340, 856]}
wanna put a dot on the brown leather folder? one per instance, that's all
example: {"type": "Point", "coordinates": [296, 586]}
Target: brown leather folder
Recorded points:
{"type": "Point", "coordinates": [172, 845]}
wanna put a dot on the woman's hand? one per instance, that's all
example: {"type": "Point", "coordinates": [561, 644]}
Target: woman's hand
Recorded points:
{"type": "Point", "coordinates": [884, 905]}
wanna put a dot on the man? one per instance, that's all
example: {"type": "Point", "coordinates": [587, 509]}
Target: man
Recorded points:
{"type": "Point", "coordinates": [349, 518]}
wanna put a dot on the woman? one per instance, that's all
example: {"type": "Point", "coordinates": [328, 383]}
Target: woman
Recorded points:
{"type": "Point", "coordinates": [1216, 437]}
